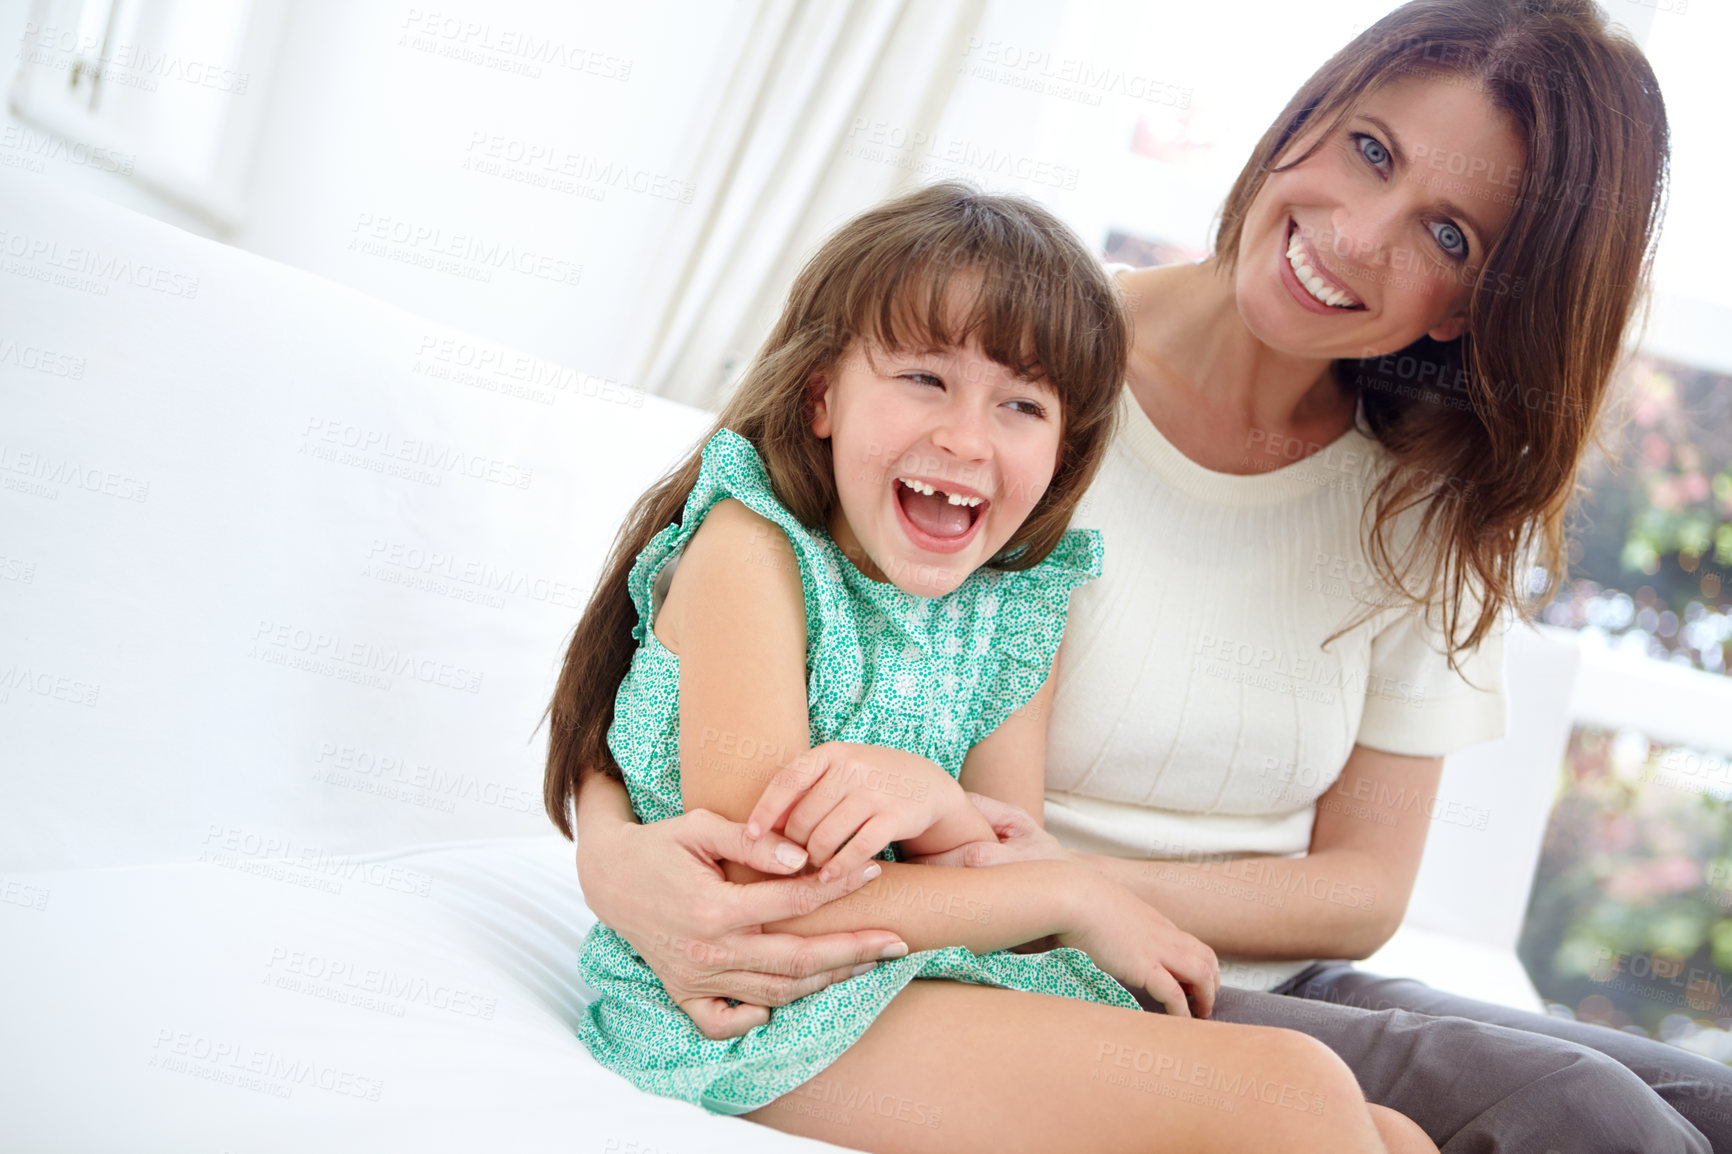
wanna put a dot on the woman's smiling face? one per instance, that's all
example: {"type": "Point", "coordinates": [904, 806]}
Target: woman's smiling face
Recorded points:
{"type": "Point", "coordinates": [1376, 239]}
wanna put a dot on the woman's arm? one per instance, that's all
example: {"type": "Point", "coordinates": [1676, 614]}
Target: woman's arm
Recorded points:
{"type": "Point", "coordinates": [1343, 899]}
{"type": "Point", "coordinates": [662, 888]}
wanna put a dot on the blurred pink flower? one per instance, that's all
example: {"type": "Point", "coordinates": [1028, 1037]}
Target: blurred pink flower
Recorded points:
{"type": "Point", "coordinates": [1644, 881]}
{"type": "Point", "coordinates": [1656, 450]}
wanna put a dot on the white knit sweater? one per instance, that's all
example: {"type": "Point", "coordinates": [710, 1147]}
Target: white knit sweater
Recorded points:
{"type": "Point", "coordinates": [1197, 710]}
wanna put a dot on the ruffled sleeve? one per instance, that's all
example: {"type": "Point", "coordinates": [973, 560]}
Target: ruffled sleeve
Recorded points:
{"type": "Point", "coordinates": [1021, 623]}
{"type": "Point", "coordinates": [731, 468]}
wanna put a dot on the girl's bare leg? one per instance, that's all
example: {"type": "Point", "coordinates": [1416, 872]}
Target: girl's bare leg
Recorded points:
{"type": "Point", "coordinates": [1400, 1133]}
{"type": "Point", "coordinates": [950, 1067]}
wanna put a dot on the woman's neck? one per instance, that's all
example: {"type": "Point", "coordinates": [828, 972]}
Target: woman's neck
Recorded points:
{"type": "Point", "coordinates": [1211, 386]}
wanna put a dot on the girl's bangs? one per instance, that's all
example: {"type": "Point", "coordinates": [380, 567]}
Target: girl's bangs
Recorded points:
{"type": "Point", "coordinates": [944, 300]}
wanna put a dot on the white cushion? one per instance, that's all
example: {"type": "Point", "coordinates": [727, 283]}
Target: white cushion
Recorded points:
{"type": "Point", "coordinates": [246, 904]}
{"type": "Point", "coordinates": [187, 546]}
{"type": "Point", "coordinates": [413, 1001]}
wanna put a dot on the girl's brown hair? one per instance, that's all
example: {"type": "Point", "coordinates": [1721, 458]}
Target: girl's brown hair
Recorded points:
{"type": "Point", "coordinates": [1487, 431]}
{"type": "Point", "coordinates": [1037, 303]}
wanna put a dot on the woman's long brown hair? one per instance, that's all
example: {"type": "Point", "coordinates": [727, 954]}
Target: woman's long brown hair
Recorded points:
{"type": "Point", "coordinates": [1039, 303]}
{"type": "Point", "coordinates": [1488, 431]}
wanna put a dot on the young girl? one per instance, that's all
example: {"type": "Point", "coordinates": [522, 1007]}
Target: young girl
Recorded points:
{"type": "Point", "coordinates": [852, 595]}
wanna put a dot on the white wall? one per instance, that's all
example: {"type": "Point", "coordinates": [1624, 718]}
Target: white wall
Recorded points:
{"type": "Point", "coordinates": [382, 122]}
{"type": "Point", "coordinates": [394, 138]}
{"type": "Point", "coordinates": [374, 119]}
{"type": "Point", "coordinates": [28, 149]}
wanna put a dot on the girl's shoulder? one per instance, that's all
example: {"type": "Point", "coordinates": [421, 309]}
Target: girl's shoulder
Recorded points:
{"type": "Point", "coordinates": [752, 525]}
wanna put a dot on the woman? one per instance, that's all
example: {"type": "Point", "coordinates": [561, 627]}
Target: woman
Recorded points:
{"type": "Point", "coordinates": [1420, 285]}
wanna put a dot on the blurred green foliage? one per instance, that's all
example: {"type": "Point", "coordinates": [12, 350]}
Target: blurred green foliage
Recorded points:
{"type": "Point", "coordinates": [1630, 918]}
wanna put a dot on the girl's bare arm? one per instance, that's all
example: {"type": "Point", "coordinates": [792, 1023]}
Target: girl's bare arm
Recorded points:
{"type": "Point", "coordinates": [735, 615]}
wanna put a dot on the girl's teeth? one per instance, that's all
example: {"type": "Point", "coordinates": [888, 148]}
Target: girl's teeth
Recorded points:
{"type": "Point", "coordinates": [950, 498]}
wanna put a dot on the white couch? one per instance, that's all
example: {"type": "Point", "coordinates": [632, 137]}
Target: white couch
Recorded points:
{"type": "Point", "coordinates": [285, 575]}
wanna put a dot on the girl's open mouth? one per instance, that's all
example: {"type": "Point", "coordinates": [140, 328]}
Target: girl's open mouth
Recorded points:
{"type": "Point", "coordinates": [936, 519]}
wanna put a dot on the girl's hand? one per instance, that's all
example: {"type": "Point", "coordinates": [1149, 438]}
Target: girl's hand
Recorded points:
{"type": "Point", "coordinates": [1138, 945]}
{"type": "Point", "coordinates": [661, 887]}
{"type": "Point", "coordinates": [860, 796]}
{"type": "Point", "coordinates": [1020, 838]}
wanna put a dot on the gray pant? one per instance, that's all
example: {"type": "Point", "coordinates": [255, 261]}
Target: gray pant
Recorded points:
{"type": "Point", "coordinates": [1484, 1079]}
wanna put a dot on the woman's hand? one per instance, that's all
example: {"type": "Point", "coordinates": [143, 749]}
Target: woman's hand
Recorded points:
{"type": "Point", "coordinates": [862, 797]}
{"type": "Point", "coordinates": [1020, 838]}
{"type": "Point", "coordinates": [1138, 945]}
{"type": "Point", "coordinates": [661, 887]}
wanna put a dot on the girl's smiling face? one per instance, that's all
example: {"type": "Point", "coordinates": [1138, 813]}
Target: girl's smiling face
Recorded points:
{"type": "Point", "coordinates": [940, 457]}
{"type": "Point", "coordinates": [1376, 239]}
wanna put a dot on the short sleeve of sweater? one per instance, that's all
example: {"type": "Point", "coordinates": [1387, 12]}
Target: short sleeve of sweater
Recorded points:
{"type": "Point", "coordinates": [1416, 705]}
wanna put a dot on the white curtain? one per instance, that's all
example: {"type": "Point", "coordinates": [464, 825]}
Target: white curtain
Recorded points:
{"type": "Point", "coordinates": [807, 70]}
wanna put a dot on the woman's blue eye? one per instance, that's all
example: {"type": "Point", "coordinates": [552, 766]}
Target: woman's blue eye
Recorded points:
{"type": "Point", "coordinates": [923, 378]}
{"type": "Point", "coordinates": [1450, 238]}
{"type": "Point", "coordinates": [1373, 151]}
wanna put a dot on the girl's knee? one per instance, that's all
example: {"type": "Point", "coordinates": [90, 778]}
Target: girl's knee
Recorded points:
{"type": "Point", "coordinates": [1400, 1134]}
{"type": "Point", "coordinates": [1308, 1063]}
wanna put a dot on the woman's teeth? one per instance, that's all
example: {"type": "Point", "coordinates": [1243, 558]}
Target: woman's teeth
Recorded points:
{"type": "Point", "coordinates": [1314, 284]}
{"type": "Point", "coordinates": [952, 498]}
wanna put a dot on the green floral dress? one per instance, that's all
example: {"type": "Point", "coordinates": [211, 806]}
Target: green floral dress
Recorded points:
{"type": "Point", "coordinates": [931, 676]}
